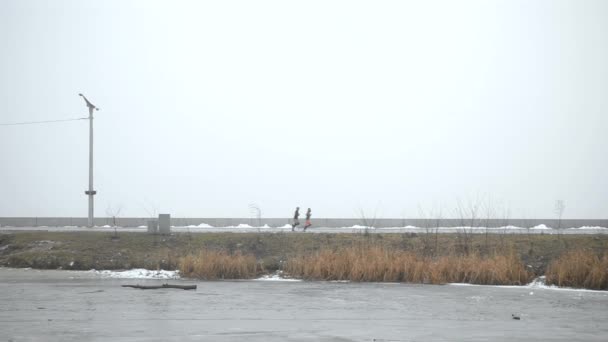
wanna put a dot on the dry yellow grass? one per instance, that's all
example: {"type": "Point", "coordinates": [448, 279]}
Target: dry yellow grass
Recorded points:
{"type": "Point", "coordinates": [376, 263]}
{"type": "Point", "coordinates": [579, 268]}
{"type": "Point", "coordinates": [219, 265]}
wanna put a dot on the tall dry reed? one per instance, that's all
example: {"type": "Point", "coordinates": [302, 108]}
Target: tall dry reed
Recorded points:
{"type": "Point", "coordinates": [376, 263]}
{"type": "Point", "coordinates": [579, 268]}
{"type": "Point", "coordinates": [219, 265]}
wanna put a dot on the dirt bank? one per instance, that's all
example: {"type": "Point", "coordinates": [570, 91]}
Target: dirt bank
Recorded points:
{"type": "Point", "coordinates": [88, 250]}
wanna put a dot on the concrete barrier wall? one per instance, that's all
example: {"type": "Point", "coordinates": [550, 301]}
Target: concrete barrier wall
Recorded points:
{"type": "Point", "coordinates": [318, 222]}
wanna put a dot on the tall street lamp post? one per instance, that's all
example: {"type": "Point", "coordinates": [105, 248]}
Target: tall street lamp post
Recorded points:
{"type": "Point", "coordinates": [90, 192]}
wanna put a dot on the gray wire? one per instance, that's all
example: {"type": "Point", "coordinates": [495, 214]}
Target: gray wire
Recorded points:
{"type": "Point", "coordinates": [39, 122]}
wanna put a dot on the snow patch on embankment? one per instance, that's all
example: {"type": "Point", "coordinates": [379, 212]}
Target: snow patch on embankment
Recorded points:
{"type": "Point", "coordinates": [138, 273]}
{"type": "Point", "coordinates": [589, 228]}
{"type": "Point", "coordinates": [541, 226]}
{"type": "Point", "coordinates": [277, 276]}
{"type": "Point", "coordinates": [357, 226]}
{"type": "Point", "coordinates": [202, 225]}
{"type": "Point", "coordinates": [141, 273]}
{"type": "Point", "coordinates": [536, 284]}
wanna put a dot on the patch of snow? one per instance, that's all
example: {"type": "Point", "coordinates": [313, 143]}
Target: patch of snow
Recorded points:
{"type": "Point", "coordinates": [537, 283]}
{"type": "Point", "coordinates": [511, 227]}
{"type": "Point", "coordinates": [356, 226]}
{"type": "Point", "coordinates": [138, 273]}
{"type": "Point", "coordinates": [540, 226]}
{"type": "Point", "coordinates": [490, 228]}
{"type": "Point", "coordinates": [71, 263]}
{"type": "Point", "coordinates": [397, 228]}
{"type": "Point", "coordinates": [278, 276]}
{"type": "Point", "coordinates": [202, 225]}
{"type": "Point", "coordinates": [285, 226]}
{"type": "Point", "coordinates": [142, 226]}
{"type": "Point", "coordinates": [241, 225]}
{"type": "Point", "coordinates": [469, 228]}
{"type": "Point", "coordinates": [589, 227]}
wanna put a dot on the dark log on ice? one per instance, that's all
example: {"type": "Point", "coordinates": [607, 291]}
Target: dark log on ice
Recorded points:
{"type": "Point", "coordinates": [163, 286]}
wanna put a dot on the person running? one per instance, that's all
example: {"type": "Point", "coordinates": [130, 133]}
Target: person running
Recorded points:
{"type": "Point", "coordinates": [296, 222]}
{"type": "Point", "coordinates": [307, 224]}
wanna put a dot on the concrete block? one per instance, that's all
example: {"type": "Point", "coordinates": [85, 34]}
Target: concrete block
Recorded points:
{"type": "Point", "coordinates": [164, 223]}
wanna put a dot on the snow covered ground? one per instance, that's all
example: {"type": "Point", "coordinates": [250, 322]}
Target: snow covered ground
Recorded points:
{"type": "Point", "coordinates": [138, 273]}
{"type": "Point", "coordinates": [246, 228]}
{"type": "Point", "coordinates": [277, 276]}
{"type": "Point", "coordinates": [536, 284]}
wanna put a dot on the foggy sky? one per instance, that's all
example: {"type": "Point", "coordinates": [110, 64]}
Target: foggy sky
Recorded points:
{"type": "Point", "coordinates": [340, 106]}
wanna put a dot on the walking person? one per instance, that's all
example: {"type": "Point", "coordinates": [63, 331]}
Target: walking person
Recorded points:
{"type": "Point", "coordinates": [296, 222]}
{"type": "Point", "coordinates": [307, 224]}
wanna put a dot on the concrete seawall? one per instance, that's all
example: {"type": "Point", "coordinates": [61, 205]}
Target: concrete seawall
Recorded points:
{"type": "Point", "coordinates": [317, 222]}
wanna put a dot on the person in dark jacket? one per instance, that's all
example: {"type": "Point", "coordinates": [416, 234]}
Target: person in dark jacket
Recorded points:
{"type": "Point", "coordinates": [296, 222]}
{"type": "Point", "coordinates": [307, 224]}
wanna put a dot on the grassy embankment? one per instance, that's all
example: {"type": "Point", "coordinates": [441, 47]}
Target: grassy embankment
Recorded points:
{"type": "Point", "coordinates": [421, 258]}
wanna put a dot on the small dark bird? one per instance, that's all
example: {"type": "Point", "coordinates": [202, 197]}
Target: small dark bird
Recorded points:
{"type": "Point", "coordinates": [515, 317]}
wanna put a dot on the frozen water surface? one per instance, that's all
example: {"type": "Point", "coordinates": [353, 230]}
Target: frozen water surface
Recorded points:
{"type": "Point", "coordinates": [88, 306]}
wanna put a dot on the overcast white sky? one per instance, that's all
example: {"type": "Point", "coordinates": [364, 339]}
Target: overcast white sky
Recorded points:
{"type": "Point", "coordinates": [207, 107]}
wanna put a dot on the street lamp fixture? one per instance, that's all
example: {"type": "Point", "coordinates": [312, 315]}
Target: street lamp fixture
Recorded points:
{"type": "Point", "coordinates": [90, 192]}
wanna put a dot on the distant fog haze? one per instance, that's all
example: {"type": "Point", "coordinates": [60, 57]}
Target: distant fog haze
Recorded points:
{"type": "Point", "coordinates": [388, 109]}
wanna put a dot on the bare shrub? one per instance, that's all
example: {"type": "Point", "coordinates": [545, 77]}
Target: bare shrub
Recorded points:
{"type": "Point", "coordinates": [369, 222]}
{"type": "Point", "coordinates": [426, 238]}
{"type": "Point", "coordinates": [114, 213]}
{"type": "Point", "coordinates": [432, 221]}
{"type": "Point", "coordinates": [256, 212]}
{"type": "Point", "coordinates": [468, 214]}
